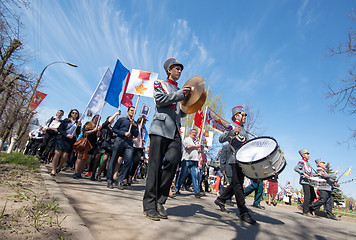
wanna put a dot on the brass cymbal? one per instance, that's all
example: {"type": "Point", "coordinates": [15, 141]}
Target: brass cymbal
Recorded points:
{"type": "Point", "coordinates": [197, 96]}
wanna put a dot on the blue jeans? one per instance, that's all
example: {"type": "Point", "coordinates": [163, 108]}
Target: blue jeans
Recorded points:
{"type": "Point", "coordinates": [194, 171]}
{"type": "Point", "coordinates": [124, 148]}
{"type": "Point", "coordinates": [256, 186]}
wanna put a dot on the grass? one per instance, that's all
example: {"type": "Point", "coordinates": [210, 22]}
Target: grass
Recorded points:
{"type": "Point", "coordinates": [20, 159]}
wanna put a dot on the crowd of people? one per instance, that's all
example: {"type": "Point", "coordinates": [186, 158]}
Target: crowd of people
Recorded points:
{"type": "Point", "coordinates": [170, 164]}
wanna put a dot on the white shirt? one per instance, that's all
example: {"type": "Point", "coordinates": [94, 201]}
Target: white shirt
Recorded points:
{"type": "Point", "coordinates": [190, 154]}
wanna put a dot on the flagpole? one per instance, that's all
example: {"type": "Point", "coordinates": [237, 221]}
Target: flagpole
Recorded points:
{"type": "Point", "coordinates": [138, 98]}
{"type": "Point", "coordinates": [101, 111]}
{"type": "Point", "coordinates": [343, 173]}
{"type": "Point", "coordinates": [202, 129]}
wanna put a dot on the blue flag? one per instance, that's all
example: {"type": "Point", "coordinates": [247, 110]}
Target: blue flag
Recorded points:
{"type": "Point", "coordinates": [116, 83]}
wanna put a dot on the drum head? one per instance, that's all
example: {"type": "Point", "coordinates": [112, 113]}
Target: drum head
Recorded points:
{"type": "Point", "coordinates": [256, 149]}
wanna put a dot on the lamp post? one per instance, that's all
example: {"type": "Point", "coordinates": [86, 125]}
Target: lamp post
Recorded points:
{"type": "Point", "coordinates": [25, 120]}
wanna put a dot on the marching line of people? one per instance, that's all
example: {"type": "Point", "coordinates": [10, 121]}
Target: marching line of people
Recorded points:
{"type": "Point", "coordinates": [118, 153]}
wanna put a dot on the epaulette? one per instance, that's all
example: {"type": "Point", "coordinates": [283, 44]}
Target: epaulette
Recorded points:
{"type": "Point", "coordinates": [157, 84]}
{"type": "Point", "coordinates": [228, 128]}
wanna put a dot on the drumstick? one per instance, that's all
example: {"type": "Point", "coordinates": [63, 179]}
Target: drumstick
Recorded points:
{"type": "Point", "coordinates": [251, 134]}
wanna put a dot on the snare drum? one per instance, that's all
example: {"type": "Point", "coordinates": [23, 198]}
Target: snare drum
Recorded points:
{"type": "Point", "coordinates": [261, 158]}
{"type": "Point", "coordinates": [318, 182]}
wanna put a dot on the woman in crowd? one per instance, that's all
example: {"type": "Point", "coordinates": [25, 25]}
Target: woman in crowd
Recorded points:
{"type": "Point", "coordinates": [104, 147]}
{"type": "Point", "coordinates": [68, 131]}
{"type": "Point", "coordinates": [90, 130]}
{"type": "Point", "coordinates": [272, 190]}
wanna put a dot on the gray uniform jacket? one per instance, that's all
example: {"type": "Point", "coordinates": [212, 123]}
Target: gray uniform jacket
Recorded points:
{"type": "Point", "coordinates": [225, 154]}
{"type": "Point", "coordinates": [303, 167]}
{"type": "Point", "coordinates": [329, 177]}
{"type": "Point", "coordinates": [167, 116]}
{"type": "Point", "coordinates": [236, 141]}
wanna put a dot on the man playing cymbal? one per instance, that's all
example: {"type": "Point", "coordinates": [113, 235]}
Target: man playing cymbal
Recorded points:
{"type": "Point", "coordinates": [165, 141]}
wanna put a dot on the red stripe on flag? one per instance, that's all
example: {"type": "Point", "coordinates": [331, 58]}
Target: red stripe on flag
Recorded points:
{"type": "Point", "coordinates": [126, 98]}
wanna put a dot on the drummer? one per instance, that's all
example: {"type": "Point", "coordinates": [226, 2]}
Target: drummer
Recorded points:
{"type": "Point", "coordinates": [165, 140]}
{"type": "Point", "coordinates": [236, 136]}
{"type": "Point", "coordinates": [305, 170]}
{"type": "Point", "coordinates": [325, 191]}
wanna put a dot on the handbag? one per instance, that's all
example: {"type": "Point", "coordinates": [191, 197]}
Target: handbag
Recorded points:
{"type": "Point", "coordinates": [82, 145]}
{"type": "Point", "coordinates": [286, 199]}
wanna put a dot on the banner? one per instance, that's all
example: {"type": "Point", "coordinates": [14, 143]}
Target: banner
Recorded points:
{"type": "Point", "coordinates": [119, 76]}
{"type": "Point", "coordinates": [215, 121]}
{"type": "Point", "coordinates": [141, 83]}
{"type": "Point", "coordinates": [37, 99]}
{"type": "Point", "coordinates": [98, 98]}
{"type": "Point", "coordinates": [199, 119]}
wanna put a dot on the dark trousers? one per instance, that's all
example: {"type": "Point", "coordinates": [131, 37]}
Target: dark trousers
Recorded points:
{"type": "Point", "coordinates": [164, 156]}
{"type": "Point", "coordinates": [325, 198]}
{"type": "Point", "coordinates": [124, 148]}
{"type": "Point", "coordinates": [35, 146]}
{"type": "Point", "coordinates": [236, 188]}
{"type": "Point", "coordinates": [47, 145]}
{"type": "Point", "coordinates": [309, 196]}
{"type": "Point", "coordinates": [136, 157]}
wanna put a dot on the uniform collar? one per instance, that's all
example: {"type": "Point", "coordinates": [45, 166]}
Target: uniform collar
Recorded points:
{"type": "Point", "coordinates": [172, 82]}
{"type": "Point", "coordinates": [238, 123]}
{"type": "Point", "coordinates": [304, 160]}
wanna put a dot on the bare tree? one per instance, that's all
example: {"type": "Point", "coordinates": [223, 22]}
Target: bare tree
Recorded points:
{"type": "Point", "coordinates": [253, 120]}
{"type": "Point", "coordinates": [344, 93]}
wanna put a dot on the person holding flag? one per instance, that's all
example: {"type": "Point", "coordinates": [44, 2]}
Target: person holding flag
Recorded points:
{"type": "Point", "coordinates": [165, 140]}
{"type": "Point", "coordinates": [236, 135]}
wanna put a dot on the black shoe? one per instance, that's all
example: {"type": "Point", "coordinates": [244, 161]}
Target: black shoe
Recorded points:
{"type": "Point", "coordinates": [221, 205]}
{"type": "Point", "coordinates": [75, 176]}
{"type": "Point", "coordinates": [199, 195]}
{"type": "Point", "coordinates": [274, 203]}
{"type": "Point", "coordinates": [258, 206]}
{"type": "Point", "coordinates": [120, 186]}
{"type": "Point", "coordinates": [161, 211]}
{"type": "Point", "coordinates": [247, 218]}
{"type": "Point", "coordinates": [178, 193]}
{"type": "Point", "coordinates": [152, 215]}
{"type": "Point", "coordinates": [229, 202]}
{"type": "Point", "coordinates": [92, 178]}
{"type": "Point", "coordinates": [333, 217]}
{"type": "Point", "coordinates": [110, 185]}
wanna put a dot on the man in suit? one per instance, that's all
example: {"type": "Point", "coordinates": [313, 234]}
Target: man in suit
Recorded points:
{"type": "Point", "coordinates": [165, 141]}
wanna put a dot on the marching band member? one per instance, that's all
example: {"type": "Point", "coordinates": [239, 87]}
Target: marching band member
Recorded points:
{"type": "Point", "coordinates": [236, 135]}
{"type": "Point", "coordinates": [165, 140]}
{"type": "Point", "coordinates": [305, 170]}
{"type": "Point", "coordinates": [325, 191]}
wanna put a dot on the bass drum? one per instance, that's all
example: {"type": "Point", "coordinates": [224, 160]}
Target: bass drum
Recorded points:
{"type": "Point", "coordinates": [261, 158]}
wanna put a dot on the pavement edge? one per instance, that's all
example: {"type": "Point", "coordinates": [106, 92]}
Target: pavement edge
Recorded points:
{"type": "Point", "coordinates": [73, 222]}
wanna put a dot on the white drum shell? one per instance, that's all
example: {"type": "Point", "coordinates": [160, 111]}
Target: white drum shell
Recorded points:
{"type": "Point", "coordinates": [266, 167]}
{"type": "Point", "coordinates": [318, 182]}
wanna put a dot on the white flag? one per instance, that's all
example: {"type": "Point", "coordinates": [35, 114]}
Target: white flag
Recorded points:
{"type": "Point", "coordinates": [141, 83]}
{"type": "Point", "coordinates": [98, 98]}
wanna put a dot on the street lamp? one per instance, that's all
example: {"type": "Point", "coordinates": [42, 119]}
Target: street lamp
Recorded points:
{"type": "Point", "coordinates": [39, 79]}
{"type": "Point", "coordinates": [23, 122]}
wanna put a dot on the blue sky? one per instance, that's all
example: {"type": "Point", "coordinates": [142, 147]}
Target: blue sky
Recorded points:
{"type": "Point", "coordinates": [272, 54]}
